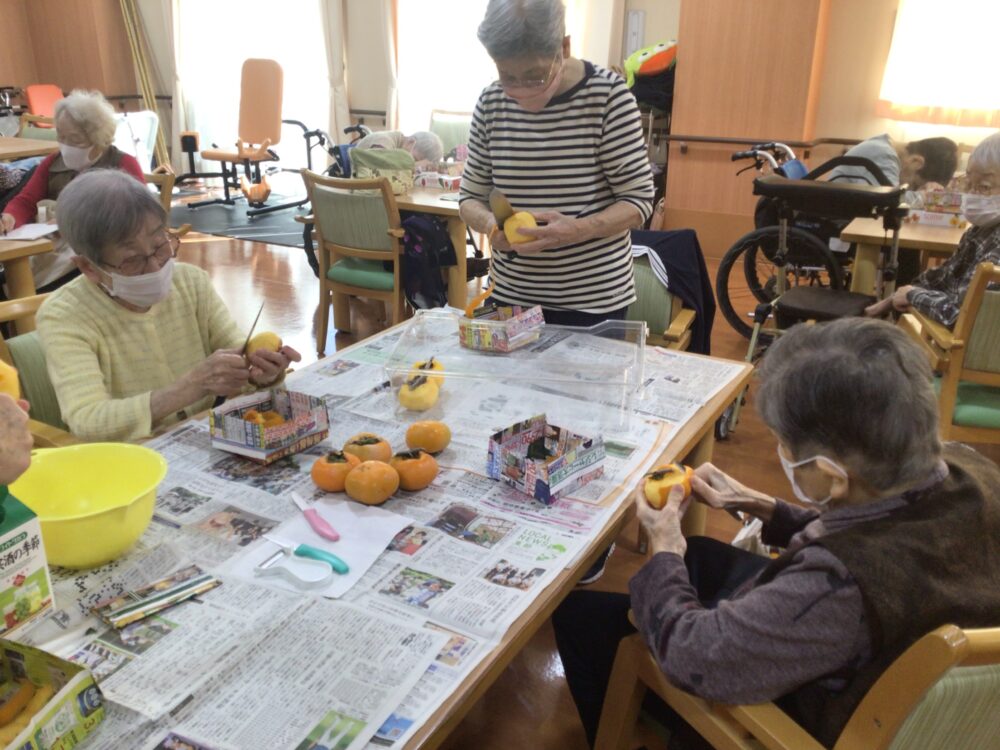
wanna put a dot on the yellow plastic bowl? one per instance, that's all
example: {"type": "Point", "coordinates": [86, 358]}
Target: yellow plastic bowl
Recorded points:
{"type": "Point", "coordinates": [93, 500]}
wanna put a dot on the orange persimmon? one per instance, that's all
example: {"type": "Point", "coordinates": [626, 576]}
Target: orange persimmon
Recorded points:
{"type": "Point", "coordinates": [428, 435]}
{"type": "Point", "coordinates": [661, 479]}
{"type": "Point", "coordinates": [369, 447]}
{"type": "Point", "coordinates": [416, 469]}
{"type": "Point", "coordinates": [371, 482]}
{"type": "Point", "coordinates": [330, 471]}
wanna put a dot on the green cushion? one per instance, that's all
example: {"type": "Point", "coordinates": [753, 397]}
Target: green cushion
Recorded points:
{"type": "Point", "coordinates": [976, 405]}
{"type": "Point", "coordinates": [29, 358]}
{"type": "Point", "coordinates": [367, 274]}
{"type": "Point", "coordinates": [38, 134]}
{"type": "Point", "coordinates": [653, 302]}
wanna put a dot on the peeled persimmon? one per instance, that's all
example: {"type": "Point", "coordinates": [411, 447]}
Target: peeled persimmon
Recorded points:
{"type": "Point", "coordinates": [426, 367]}
{"type": "Point", "coordinates": [371, 482]}
{"type": "Point", "coordinates": [661, 479]}
{"type": "Point", "coordinates": [428, 435]}
{"type": "Point", "coordinates": [369, 447]}
{"type": "Point", "coordinates": [329, 472]}
{"type": "Point", "coordinates": [416, 469]}
{"type": "Point", "coordinates": [9, 382]}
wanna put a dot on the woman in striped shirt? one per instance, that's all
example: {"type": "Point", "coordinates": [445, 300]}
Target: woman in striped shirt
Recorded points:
{"type": "Point", "coordinates": [562, 139]}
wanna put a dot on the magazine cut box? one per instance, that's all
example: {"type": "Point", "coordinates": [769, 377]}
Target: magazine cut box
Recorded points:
{"type": "Point", "coordinates": [306, 423]}
{"type": "Point", "coordinates": [73, 709]}
{"type": "Point", "coordinates": [501, 330]}
{"type": "Point", "coordinates": [544, 460]}
{"type": "Point", "coordinates": [25, 586]}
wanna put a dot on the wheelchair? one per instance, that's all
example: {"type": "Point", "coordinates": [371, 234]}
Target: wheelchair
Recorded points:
{"type": "Point", "coordinates": [761, 264]}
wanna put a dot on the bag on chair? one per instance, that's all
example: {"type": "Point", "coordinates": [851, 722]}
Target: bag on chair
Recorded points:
{"type": "Point", "coordinates": [426, 249]}
{"type": "Point", "coordinates": [395, 164]}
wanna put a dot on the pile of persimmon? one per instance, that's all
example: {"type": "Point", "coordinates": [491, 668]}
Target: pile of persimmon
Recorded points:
{"type": "Point", "coordinates": [369, 473]}
{"type": "Point", "coordinates": [422, 387]}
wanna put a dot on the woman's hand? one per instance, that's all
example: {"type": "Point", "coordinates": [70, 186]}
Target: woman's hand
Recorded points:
{"type": "Point", "coordinates": [899, 299]}
{"type": "Point", "coordinates": [267, 367]}
{"type": "Point", "coordinates": [6, 223]}
{"type": "Point", "coordinates": [664, 525]}
{"type": "Point", "coordinates": [15, 439]}
{"type": "Point", "coordinates": [222, 373]}
{"type": "Point", "coordinates": [717, 489]}
{"type": "Point", "coordinates": [558, 230]}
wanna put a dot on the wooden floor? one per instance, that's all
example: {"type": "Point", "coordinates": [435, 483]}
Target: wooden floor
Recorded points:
{"type": "Point", "coordinates": [529, 707]}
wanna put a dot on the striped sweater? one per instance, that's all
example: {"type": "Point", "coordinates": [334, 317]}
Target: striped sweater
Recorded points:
{"type": "Point", "coordinates": [105, 361]}
{"type": "Point", "coordinates": [579, 155]}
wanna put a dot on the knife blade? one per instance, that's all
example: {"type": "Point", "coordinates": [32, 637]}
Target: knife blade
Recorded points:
{"type": "Point", "coordinates": [246, 343]}
{"type": "Point", "coordinates": [502, 210]}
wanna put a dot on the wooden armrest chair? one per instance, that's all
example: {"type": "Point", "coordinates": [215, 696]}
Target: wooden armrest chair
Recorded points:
{"type": "Point", "coordinates": [968, 359]}
{"type": "Point", "coordinates": [357, 228]}
{"type": "Point", "coordinates": [24, 352]}
{"type": "Point", "coordinates": [164, 182]}
{"type": "Point", "coordinates": [943, 693]}
{"type": "Point", "coordinates": [39, 127]}
{"type": "Point", "coordinates": [668, 321]}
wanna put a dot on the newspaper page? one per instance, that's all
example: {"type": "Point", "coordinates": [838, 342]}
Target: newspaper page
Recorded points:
{"type": "Point", "coordinates": [677, 384]}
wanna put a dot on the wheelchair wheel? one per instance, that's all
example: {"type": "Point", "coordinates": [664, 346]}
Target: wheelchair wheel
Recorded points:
{"type": "Point", "coordinates": [748, 273]}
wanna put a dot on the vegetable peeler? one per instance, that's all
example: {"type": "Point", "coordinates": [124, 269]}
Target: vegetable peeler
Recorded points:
{"type": "Point", "coordinates": [323, 562]}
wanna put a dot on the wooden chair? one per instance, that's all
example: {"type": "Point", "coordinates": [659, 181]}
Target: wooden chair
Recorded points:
{"type": "Point", "coordinates": [968, 359]}
{"type": "Point", "coordinates": [42, 98]}
{"type": "Point", "coordinates": [357, 229]}
{"type": "Point", "coordinates": [943, 693]}
{"type": "Point", "coordinates": [451, 127]}
{"type": "Point", "coordinates": [668, 321]}
{"type": "Point", "coordinates": [39, 127]}
{"type": "Point", "coordinates": [24, 352]}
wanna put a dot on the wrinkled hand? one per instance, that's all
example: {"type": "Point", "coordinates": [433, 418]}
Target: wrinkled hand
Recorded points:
{"type": "Point", "coordinates": [556, 231]}
{"type": "Point", "coordinates": [498, 241]}
{"type": "Point", "coordinates": [266, 367]}
{"type": "Point", "coordinates": [15, 439]}
{"type": "Point", "coordinates": [222, 373]}
{"type": "Point", "coordinates": [6, 223]}
{"type": "Point", "coordinates": [899, 300]}
{"type": "Point", "coordinates": [879, 309]}
{"type": "Point", "coordinates": [664, 525]}
{"type": "Point", "coordinates": [716, 489]}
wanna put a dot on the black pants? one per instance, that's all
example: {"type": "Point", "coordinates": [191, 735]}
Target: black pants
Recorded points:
{"type": "Point", "coordinates": [590, 624]}
{"type": "Point", "coordinates": [581, 319]}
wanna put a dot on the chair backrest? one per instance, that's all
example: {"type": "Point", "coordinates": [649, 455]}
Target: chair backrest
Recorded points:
{"type": "Point", "coordinates": [26, 354]}
{"type": "Point", "coordinates": [451, 127]}
{"type": "Point", "coordinates": [260, 101]}
{"type": "Point", "coordinates": [135, 134]}
{"type": "Point", "coordinates": [42, 98]}
{"type": "Point", "coordinates": [653, 304]}
{"type": "Point", "coordinates": [978, 323]}
{"type": "Point", "coordinates": [357, 217]}
{"type": "Point", "coordinates": [165, 185]}
{"type": "Point", "coordinates": [37, 127]}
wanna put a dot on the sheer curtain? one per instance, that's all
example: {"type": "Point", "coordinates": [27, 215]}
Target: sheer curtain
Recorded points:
{"type": "Point", "coordinates": [214, 37]}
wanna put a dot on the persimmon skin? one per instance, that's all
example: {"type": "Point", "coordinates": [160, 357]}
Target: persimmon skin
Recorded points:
{"type": "Point", "coordinates": [329, 472]}
{"type": "Point", "coordinates": [371, 482]}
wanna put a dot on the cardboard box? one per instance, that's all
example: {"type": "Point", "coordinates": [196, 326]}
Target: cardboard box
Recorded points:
{"type": "Point", "coordinates": [542, 460]}
{"type": "Point", "coordinates": [937, 219]}
{"type": "Point", "coordinates": [306, 423]}
{"type": "Point", "coordinates": [502, 330]}
{"type": "Point", "coordinates": [25, 586]}
{"type": "Point", "coordinates": [74, 709]}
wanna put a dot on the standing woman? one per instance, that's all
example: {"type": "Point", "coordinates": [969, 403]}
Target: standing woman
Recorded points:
{"type": "Point", "coordinates": [562, 139]}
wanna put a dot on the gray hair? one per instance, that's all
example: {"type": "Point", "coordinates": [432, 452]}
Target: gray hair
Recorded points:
{"type": "Point", "coordinates": [518, 28]}
{"type": "Point", "coordinates": [104, 208]}
{"type": "Point", "coordinates": [858, 389]}
{"type": "Point", "coordinates": [91, 113]}
{"type": "Point", "coordinates": [427, 146]}
{"type": "Point", "coordinates": [986, 155]}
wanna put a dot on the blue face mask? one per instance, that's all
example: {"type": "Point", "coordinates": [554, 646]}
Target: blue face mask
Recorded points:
{"type": "Point", "coordinates": [790, 467]}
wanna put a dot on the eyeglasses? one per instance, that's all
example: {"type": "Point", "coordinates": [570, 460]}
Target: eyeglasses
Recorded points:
{"type": "Point", "coordinates": [528, 83]}
{"type": "Point", "coordinates": [135, 265]}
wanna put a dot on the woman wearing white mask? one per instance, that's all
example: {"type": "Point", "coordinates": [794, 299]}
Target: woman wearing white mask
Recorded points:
{"type": "Point", "coordinates": [562, 139]}
{"type": "Point", "coordinates": [139, 341]}
{"type": "Point", "coordinates": [938, 292]}
{"type": "Point", "coordinates": [85, 129]}
{"type": "Point", "coordinates": [896, 535]}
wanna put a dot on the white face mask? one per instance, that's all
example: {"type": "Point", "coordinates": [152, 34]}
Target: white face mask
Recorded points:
{"type": "Point", "coordinates": [789, 468]}
{"type": "Point", "coordinates": [981, 210]}
{"type": "Point", "coordinates": [76, 157]}
{"type": "Point", "coordinates": [145, 290]}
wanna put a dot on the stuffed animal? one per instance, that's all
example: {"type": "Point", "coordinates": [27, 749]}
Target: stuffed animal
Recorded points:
{"type": "Point", "coordinates": [650, 60]}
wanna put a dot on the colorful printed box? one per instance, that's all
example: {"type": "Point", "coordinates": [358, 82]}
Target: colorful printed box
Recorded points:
{"type": "Point", "coordinates": [305, 423]}
{"type": "Point", "coordinates": [504, 329]}
{"type": "Point", "coordinates": [25, 587]}
{"type": "Point", "coordinates": [543, 460]}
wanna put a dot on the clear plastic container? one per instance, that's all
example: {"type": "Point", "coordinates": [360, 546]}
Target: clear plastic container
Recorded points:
{"type": "Point", "coordinates": [585, 379]}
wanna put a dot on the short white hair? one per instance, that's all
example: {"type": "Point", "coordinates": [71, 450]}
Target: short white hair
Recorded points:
{"type": "Point", "coordinates": [92, 113]}
{"type": "Point", "coordinates": [986, 155]}
{"type": "Point", "coordinates": [521, 28]}
{"type": "Point", "coordinates": [427, 146]}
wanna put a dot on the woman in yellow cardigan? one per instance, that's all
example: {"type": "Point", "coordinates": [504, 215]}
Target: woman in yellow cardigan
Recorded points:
{"type": "Point", "coordinates": [138, 341]}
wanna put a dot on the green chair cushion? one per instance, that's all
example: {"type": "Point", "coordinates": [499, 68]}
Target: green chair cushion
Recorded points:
{"type": "Point", "coordinates": [29, 358]}
{"type": "Point", "coordinates": [38, 134]}
{"type": "Point", "coordinates": [653, 302]}
{"type": "Point", "coordinates": [367, 274]}
{"type": "Point", "coordinates": [976, 405]}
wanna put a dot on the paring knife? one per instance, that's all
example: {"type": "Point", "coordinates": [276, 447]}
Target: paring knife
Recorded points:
{"type": "Point", "coordinates": [502, 210]}
{"type": "Point", "coordinates": [316, 521]}
{"type": "Point", "coordinates": [246, 343]}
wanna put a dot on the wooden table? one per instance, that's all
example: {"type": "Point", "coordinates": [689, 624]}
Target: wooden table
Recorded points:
{"type": "Point", "coordinates": [693, 444]}
{"type": "Point", "coordinates": [20, 148]}
{"type": "Point", "coordinates": [15, 255]}
{"type": "Point", "coordinates": [871, 237]}
{"type": "Point", "coordinates": [430, 201]}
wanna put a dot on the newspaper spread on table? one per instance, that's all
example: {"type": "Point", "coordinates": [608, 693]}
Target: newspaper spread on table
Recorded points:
{"type": "Point", "coordinates": [464, 558]}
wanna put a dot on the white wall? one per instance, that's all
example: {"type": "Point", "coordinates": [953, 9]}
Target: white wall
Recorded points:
{"type": "Point", "coordinates": [663, 18]}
